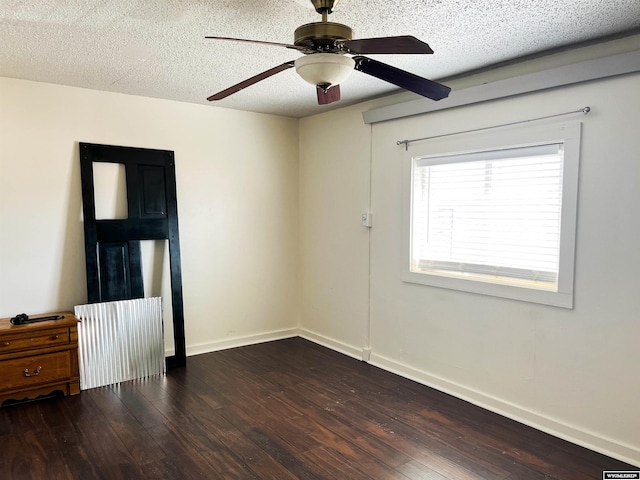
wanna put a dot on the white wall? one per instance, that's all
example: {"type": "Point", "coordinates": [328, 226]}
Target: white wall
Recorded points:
{"type": "Point", "coordinates": [334, 192]}
{"type": "Point", "coordinates": [237, 183]}
{"type": "Point", "coordinates": [574, 373]}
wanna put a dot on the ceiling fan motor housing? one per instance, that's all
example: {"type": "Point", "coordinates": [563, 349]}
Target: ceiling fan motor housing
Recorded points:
{"type": "Point", "coordinates": [322, 36]}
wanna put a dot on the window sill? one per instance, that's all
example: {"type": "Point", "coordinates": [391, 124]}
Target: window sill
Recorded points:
{"type": "Point", "coordinates": [522, 293]}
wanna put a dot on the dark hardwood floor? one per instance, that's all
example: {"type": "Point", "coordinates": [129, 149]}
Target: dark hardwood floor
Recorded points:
{"type": "Point", "coordinates": [280, 410]}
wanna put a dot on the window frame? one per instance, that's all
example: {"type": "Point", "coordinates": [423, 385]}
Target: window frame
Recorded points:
{"type": "Point", "coordinates": [569, 134]}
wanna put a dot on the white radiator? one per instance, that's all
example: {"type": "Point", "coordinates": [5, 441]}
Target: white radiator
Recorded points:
{"type": "Point", "coordinates": [120, 341]}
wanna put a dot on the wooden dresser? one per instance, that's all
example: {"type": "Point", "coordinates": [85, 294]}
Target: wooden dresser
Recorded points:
{"type": "Point", "coordinates": [39, 358]}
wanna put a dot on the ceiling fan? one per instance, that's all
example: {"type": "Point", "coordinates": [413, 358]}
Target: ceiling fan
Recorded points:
{"type": "Point", "coordinates": [325, 64]}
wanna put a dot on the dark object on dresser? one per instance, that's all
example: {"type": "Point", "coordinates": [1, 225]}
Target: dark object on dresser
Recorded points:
{"type": "Point", "coordinates": [23, 318]}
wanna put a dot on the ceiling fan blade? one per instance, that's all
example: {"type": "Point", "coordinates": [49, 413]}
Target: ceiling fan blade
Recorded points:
{"type": "Point", "coordinates": [276, 44]}
{"type": "Point", "coordinates": [400, 44]}
{"type": "Point", "coordinates": [250, 81]}
{"type": "Point", "coordinates": [329, 95]}
{"type": "Point", "coordinates": [402, 78]}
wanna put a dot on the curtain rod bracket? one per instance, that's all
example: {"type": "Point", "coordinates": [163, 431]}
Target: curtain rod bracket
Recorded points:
{"type": "Point", "coordinates": [405, 142]}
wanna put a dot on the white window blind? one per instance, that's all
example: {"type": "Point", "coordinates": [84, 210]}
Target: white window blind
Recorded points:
{"type": "Point", "coordinates": [491, 216]}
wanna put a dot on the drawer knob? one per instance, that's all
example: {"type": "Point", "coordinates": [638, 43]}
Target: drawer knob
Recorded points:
{"type": "Point", "coordinates": [54, 337]}
{"type": "Point", "coordinates": [6, 344]}
{"type": "Point", "coordinates": [34, 374]}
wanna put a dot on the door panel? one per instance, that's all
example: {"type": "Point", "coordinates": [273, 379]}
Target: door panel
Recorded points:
{"type": "Point", "coordinates": [112, 247]}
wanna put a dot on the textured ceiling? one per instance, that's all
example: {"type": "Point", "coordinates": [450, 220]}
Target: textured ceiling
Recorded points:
{"type": "Point", "coordinates": [156, 48]}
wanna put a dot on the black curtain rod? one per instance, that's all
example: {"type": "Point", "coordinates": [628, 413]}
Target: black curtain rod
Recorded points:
{"type": "Point", "coordinates": [406, 143]}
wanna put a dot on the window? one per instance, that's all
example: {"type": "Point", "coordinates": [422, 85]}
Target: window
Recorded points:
{"type": "Point", "coordinates": [499, 218]}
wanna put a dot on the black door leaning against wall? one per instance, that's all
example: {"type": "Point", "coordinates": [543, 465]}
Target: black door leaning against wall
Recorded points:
{"type": "Point", "coordinates": [112, 247]}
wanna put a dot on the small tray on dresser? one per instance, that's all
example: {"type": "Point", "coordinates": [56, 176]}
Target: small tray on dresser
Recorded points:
{"type": "Point", "coordinates": [39, 358]}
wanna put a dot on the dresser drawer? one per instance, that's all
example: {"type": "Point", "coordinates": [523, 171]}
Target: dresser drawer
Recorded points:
{"type": "Point", "coordinates": [35, 370]}
{"type": "Point", "coordinates": [34, 339]}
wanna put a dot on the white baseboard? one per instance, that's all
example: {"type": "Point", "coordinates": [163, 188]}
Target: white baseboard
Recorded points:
{"type": "Point", "coordinates": [336, 345]}
{"type": "Point", "coordinates": [625, 453]}
{"type": "Point", "coordinates": [241, 341]}
{"type": "Point", "coordinates": [611, 448]}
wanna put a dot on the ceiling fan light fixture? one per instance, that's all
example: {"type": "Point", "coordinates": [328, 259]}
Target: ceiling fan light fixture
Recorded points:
{"type": "Point", "coordinates": [324, 68]}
